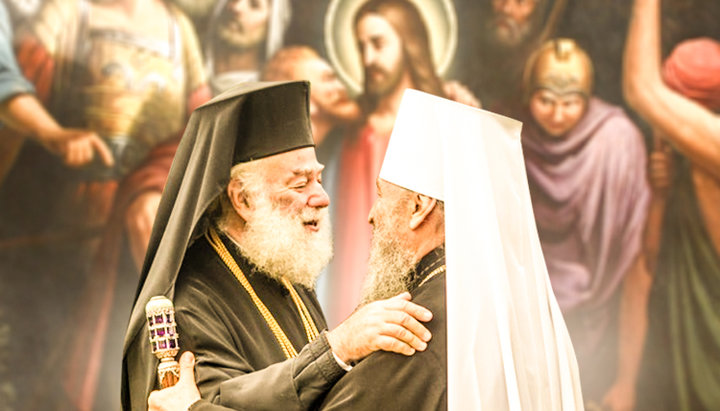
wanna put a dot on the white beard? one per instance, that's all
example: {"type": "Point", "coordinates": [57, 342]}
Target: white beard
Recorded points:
{"type": "Point", "coordinates": [389, 268]}
{"type": "Point", "coordinates": [278, 243]}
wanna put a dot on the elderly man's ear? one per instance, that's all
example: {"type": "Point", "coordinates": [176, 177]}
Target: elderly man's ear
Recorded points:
{"type": "Point", "coordinates": [423, 206]}
{"type": "Point", "coordinates": [239, 200]}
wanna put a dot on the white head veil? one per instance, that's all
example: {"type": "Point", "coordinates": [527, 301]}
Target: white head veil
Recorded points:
{"type": "Point", "coordinates": [508, 346]}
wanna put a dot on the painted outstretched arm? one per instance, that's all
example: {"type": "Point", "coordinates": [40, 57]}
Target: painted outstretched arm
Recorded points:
{"type": "Point", "coordinates": [26, 115]}
{"type": "Point", "coordinates": [689, 127]}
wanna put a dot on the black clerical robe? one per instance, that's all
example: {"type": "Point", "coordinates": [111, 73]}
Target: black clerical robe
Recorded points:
{"type": "Point", "coordinates": [239, 362]}
{"type": "Point", "coordinates": [389, 381]}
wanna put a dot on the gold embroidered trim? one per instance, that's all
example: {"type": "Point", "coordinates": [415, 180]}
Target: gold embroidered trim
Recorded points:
{"type": "Point", "coordinates": [432, 274]}
{"type": "Point", "coordinates": [310, 328]}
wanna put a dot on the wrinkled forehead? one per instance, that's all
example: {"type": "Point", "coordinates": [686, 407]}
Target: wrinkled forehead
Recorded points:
{"type": "Point", "coordinates": [298, 161]}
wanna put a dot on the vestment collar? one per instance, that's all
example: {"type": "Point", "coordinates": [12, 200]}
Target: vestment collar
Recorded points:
{"type": "Point", "coordinates": [427, 267]}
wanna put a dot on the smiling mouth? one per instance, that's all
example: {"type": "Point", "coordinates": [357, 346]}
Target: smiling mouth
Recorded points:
{"type": "Point", "coordinates": [311, 224]}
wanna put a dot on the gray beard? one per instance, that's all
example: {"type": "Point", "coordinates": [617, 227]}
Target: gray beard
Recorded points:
{"type": "Point", "coordinates": [390, 267]}
{"type": "Point", "coordinates": [278, 244]}
{"type": "Point", "coordinates": [509, 37]}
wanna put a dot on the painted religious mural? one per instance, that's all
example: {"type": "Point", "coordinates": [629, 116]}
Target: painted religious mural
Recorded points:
{"type": "Point", "coordinates": [619, 101]}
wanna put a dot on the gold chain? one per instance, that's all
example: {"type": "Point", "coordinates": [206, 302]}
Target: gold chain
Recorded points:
{"type": "Point", "coordinates": [282, 339]}
{"type": "Point", "coordinates": [310, 329]}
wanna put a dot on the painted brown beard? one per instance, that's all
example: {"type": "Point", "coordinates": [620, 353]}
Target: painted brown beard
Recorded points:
{"type": "Point", "coordinates": [388, 83]}
{"type": "Point", "coordinates": [510, 35]}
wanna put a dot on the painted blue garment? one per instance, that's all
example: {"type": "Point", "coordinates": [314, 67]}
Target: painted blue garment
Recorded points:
{"type": "Point", "coordinates": [11, 80]}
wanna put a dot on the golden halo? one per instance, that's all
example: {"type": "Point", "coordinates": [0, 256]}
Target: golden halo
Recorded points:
{"type": "Point", "coordinates": [439, 17]}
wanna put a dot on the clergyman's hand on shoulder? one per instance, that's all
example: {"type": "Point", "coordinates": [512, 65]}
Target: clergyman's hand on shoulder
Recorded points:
{"type": "Point", "coordinates": [388, 325]}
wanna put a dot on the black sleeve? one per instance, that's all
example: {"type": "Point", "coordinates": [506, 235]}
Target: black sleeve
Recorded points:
{"type": "Point", "coordinates": [393, 382]}
{"type": "Point", "coordinates": [204, 405]}
{"type": "Point", "coordinates": [225, 377]}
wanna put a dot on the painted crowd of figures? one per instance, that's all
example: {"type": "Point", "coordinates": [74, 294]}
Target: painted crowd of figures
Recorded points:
{"type": "Point", "coordinates": [621, 139]}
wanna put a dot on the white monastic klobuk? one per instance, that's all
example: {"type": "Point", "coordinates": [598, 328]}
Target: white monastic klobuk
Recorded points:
{"type": "Point", "coordinates": [508, 346]}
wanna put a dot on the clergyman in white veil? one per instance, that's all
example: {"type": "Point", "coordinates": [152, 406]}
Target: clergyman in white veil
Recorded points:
{"type": "Point", "coordinates": [507, 344]}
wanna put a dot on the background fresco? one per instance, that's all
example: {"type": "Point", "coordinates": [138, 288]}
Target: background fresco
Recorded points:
{"type": "Point", "coordinates": [627, 216]}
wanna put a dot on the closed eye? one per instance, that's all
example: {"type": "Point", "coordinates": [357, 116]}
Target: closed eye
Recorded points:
{"type": "Point", "coordinates": [299, 185]}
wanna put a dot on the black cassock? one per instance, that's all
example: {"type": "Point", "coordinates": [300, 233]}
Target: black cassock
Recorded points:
{"type": "Point", "coordinates": [239, 362]}
{"type": "Point", "coordinates": [216, 316]}
{"type": "Point", "coordinates": [389, 381]}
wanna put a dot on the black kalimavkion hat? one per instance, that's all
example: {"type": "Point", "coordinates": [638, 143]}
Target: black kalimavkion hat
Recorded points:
{"type": "Point", "coordinates": [271, 120]}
